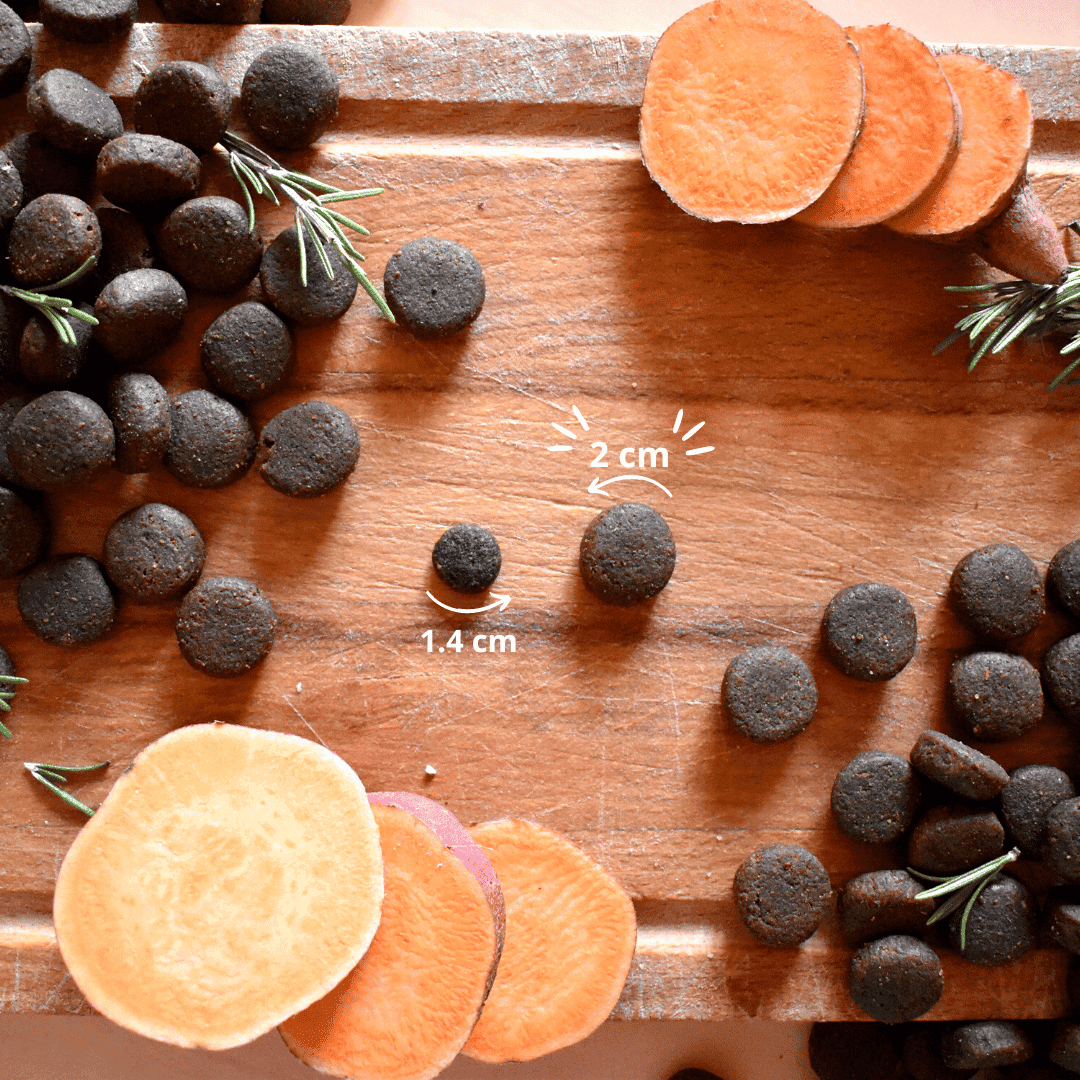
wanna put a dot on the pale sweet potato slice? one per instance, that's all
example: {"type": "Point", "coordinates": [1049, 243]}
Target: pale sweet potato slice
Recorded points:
{"type": "Point", "coordinates": [406, 1009]}
{"type": "Point", "coordinates": [229, 879]}
{"type": "Point", "coordinates": [909, 136]}
{"type": "Point", "coordinates": [750, 108]}
{"type": "Point", "coordinates": [570, 936]}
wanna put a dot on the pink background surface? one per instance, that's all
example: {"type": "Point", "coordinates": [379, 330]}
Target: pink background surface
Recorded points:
{"type": "Point", "coordinates": [36, 1047]}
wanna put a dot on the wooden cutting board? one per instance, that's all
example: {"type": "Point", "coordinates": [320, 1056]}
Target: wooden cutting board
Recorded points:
{"type": "Point", "coordinates": [839, 450]}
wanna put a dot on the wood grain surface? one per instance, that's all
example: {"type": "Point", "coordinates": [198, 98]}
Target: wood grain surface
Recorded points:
{"type": "Point", "coordinates": [843, 451]}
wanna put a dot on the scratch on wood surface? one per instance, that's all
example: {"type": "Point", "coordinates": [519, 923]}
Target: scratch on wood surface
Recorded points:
{"type": "Point", "coordinates": [285, 698]}
{"type": "Point", "coordinates": [55, 990]}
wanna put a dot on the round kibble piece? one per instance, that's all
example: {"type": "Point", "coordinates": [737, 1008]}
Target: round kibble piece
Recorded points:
{"type": "Point", "coordinates": [139, 313]}
{"type": "Point", "coordinates": [467, 558]}
{"type": "Point", "coordinates": [16, 51]}
{"type": "Point", "coordinates": [247, 352]}
{"type": "Point", "coordinates": [66, 600]}
{"type": "Point", "coordinates": [141, 415]}
{"type": "Point", "coordinates": [1061, 918]}
{"type": "Point", "coordinates": [308, 450]}
{"type": "Point", "coordinates": [1002, 926]}
{"type": "Point", "coordinates": [997, 592]}
{"type": "Point", "coordinates": [875, 796]}
{"type": "Point", "coordinates": [921, 1055]}
{"type": "Point", "coordinates": [1061, 677]}
{"type": "Point", "coordinates": [882, 902]}
{"type": "Point", "coordinates": [306, 12]}
{"type": "Point", "coordinates": [183, 101]}
{"type": "Point", "coordinates": [225, 626]}
{"type": "Point", "coordinates": [154, 552]}
{"type": "Point", "coordinates": [88, 20]}
{"type": "Point", "coordinates": [1061, 848]}
{"type": "Point", "coordinates": [434, 287]}
{"type": "Point", "coordinates": [1026, 801]}
{"type": "Point", "coordinates": [947, 840]}
{"type": "Point", "coordinates": [870, 631]}
{"type": "Point", "coordinates": [8, 411]}
{"type": "Point", "coordinates": [58, 439]}
{"type": "Point", "coordinates": [211, 443]}
{"type": "Point", "coordinates": [849, 1050]}
{"type": "Point", "coordinates": [45, 358]}
{"type": "Point", "coordinates": [51, 238]}
{"type": "Point", "coordinates": [995, 695]}
{"type": "Point", "coordinates": [957, 766]}
{"type": "Point", "coordinates": [11, 191]}
{"type": "Point", "coordinates": [124, 245]}
{"type": "Point", "coordinates": [627, 554]}
{"type": "Point", "coordinates": [985, 1044]}
{"type": "Point", "coordinates": [43, 169]}
{"type": "Point", "coordinates": [896, 978]}
{"type": "Point", "coordinates": [322, 300]}
{"type": "Point", "coordinates": [782, 893]}
{"type": "Point", "coordinates": [206, 243]}
{"type": "Point", "coordinates": [1065, 1049]}
{"type": "Point", "coordinates": [230, 12]}
{"type": "Point", "coordinates": [289, 95]}
{"type": "Point", "coordinates": [147, 174]}
{"type": "Point", "coordinates": [13, 315]}
{"type": "Point", "coordinates": [1063, 579]}
{"type": "Point", "coordinates": [73, 113]}
{"type": "Point", "coordinates": [769, 693]}
{"type": "Point", "coordinates": [24, 535]}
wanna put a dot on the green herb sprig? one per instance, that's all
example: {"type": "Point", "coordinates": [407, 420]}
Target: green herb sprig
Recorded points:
{"type": "Point", "coordinates": [52, 775]}
{"type": "Point", "coordinates": [6, 696]}
{"type": "Point", "coordinates": [964, 888]}
{"type": "Point", "coordinates": [258, 173]}
{"type": "Point", "coordinates": [54, 308]}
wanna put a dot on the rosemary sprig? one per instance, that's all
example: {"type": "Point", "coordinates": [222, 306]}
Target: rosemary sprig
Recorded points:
{"type": "Point", "coordinates": [258, 173]}
{"type": "Point", "coordinates": [5, 697]}
{"type": "Point", "coordinates": [54, 308]}
{"type": "Point", "coordinates": [965, 889]}
{"type": "Point", "coordinates": [51, 775]}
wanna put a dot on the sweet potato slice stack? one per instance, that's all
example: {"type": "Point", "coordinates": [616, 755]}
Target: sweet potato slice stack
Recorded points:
{"type": "Point", "coordinates": [750, 108]}
{"type": "Point", "coordinates": [570, 937]}
{"type": "Point", "coordinates": [406, 1009]}
{"type": "Point", "coordinates": [231, 877]}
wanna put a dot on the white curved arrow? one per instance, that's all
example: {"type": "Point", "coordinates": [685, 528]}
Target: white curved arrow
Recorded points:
{"type": "Point", "coordinates": [597, 488]}
{"type": "Point", "coordinates": [501, 601]}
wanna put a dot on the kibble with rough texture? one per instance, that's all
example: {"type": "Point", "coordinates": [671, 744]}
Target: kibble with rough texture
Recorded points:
{"type": "Point", "coordinates": [1026, 801]}
{"type": "Point", "coordinates": [322, 300]}
{"type": "Point", "coordinates": [11, 191]}
{"type": "Point", "coordinates": [997, 592]}
{"type": "Point", "coordinates": [849, 1050]}
{"type": "Point", "coordinates": [183, 101]}
{"type": "Point", "coordinates": [1061, 918]}
{"type": "Point", "coordinates": [73, 113]}
{"type": "Point", "coordinates": [984, 1044]}
{"type": "Point", "coordinates": [211, 442]}
{"type": "Point", "coordinates": [147, 174]}
{"type": "Point", "coordinates": [875, 797]}
{"type": "Point", "coordinates": [8, 411]}
{"type": "Point", "coordinates": [91, 21]}
{"type": "Point", "coordinates": [52, 237]}
{"type": "Point", "coordinates": [1061, 846]}
{"type": "Point", "coordinates": [48, 360]}
{"type": "Point", "coordinates": [1063, 579]}
{"type": "Point", "coordinates": [882, 902]}
{"type": "Point", "coordinates": [769, 693]}
{"type": "Point", "coordinates": [627, 554]}
{"type": "Point", "coordinates": [141, 415]}
{"type": "Point", "coordinates": [308, 450]}
{"type": "Point", "coordinates": [1065, 1049]}
{"type": "Point", "coordinates": [957, 766]}
{"type": "Point", "coordinates": [206, 243]}
{"type": "Point", "coordinates": [124, 246]}
{"type": "Point", "coordinates": [66, 600]}
{"type": "Point", "coordinates": [58, 439]}
{"type": "Point", "coordinates": [434, 287]}
{"type": "Point", "coordinates": [16, 51]}
{"type": "Point", "coordinates": [896, 978]}
{"type": "Point", "coordinates": [289, 95]}
{"type": "Point", "coordinates": [154, 552]}
{"type": "Point", "coordinates": [139, 313]}
{"type": "Point", "coordinates": [24, 535]}
{"type": "Point", "coordinates": [225, 626]}
{"type": "Point", "coordinates": [1003, 923]}
{"type": "Point", "coordinates": [870, 631]}
{"type": "Point", "coordinates": [44, 169]}
{"type": "Point", "coordinates": [467, 558]}
{"type": "Point", "coordinates": [995, 695]}
{"type": "Point", "coordinates": [247, 352]}
{"type": "Point", "coordinates": [782, 893]}
{"type": "Point", "coordinates": [13, 316]}
{"type": "Point", "coordinates": [1061, 677]}
{"type": "Point", "coordinates": [921, 1054]}
{"type": "Point", "coordinates": [950, 839]}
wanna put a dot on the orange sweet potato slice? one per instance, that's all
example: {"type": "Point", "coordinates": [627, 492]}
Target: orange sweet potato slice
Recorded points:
{"type": "Point", "coordinates": [570, 936]}
{"type": "Point", "coordinates": [750, 108]}
{"type": "Point", "coordinates": [406, 1009]}
{"type": "Point", "coordinates": [230, 878]}
{"type": "Point", "coordinates": [909, 136]}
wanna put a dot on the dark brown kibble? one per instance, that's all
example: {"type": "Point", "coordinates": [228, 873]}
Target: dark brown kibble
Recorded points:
{"type": "Point", "coordinates": [869, 631]}
{"type": "Point", "coordinates": [627, 554]}
{"type": "Point", "coordinates": [13, 316]}
{"type": "Point", "coordinates": [850, 1050]}
{"type": "Point", "coordinates": [1026, 801]}
{"type": "Point", "coordinates": [882, 902]}
{"type": "Point", "coordinates": [51, 238]}
{"type": "Point", "coordinates": [154, 552]}
{"type": "Point", "coordinates": [205, 242]}
{"type": "Point", "coordinates": [1065, 1049]}
{"type": "Point", "coordinates": [139, 313]}
{"type": "Point", "coordinates": [1061, 678]}
{"type": "Point", "coordinates": [896, 978]}
{"type": "Point", "coordinates": [66, 600]}
{"type": "Point", "coordinates": [769, 693]}
{"type": "Point", "coordinates": [59, 439]}
{"type": "Point", "coordinates": [1002, 926]}
{"type": "Point", "coordinates": [922, 1054]}
{"type": "Point", "coordinates": [434, 287]}
{"type": "Point", "coordinates": [124, 246]}
{"type": "Point", "coordinates": [782, 893]}
{"type": "Point", "coordinates": [1061, 847]}
{"type": "Point", "coordinates": [289, 95]}
{"type": "Point", "coordinates": [995, 695]}
{"type": "Point", "coordinates": [43, 169]}
{"type": "Point", "coordinates": [1061, 918]}
{"type": "Point", "coordinates": [11, 191]}
{"type": "Point", "coordinates": [24, 535]}
{"type": "Point", "coordinates": [875, 797]}
{"type": "Point", "coordinates": [957, 766]}
{"type": "Point", "coordinates": [8, 411]}
{"type": "Point", "coordinates": [73, 113]}
{"type": "Point", "coordinates": [88, 20]}
{"type": "Point", "coordinates": [141, 415]}
{"type": "Point", "coordinates": [1063, 579]}
{"type": "Point", "coordinates": [467, 558]}
{"type": "Point", "coordinates": [228, 12]}
{"type": "Point", "coordinates": [306, 12]}
{"type": "Point", "coordinates": [997, 592]}
{"type": "Point", "coordinates": [947, 840]}
{"type": "Point", "coordinates": [211, 442]}
{"type": "Point", "coordinates": [308, 450]}
{"type": "Point", "coordinates": [247, 352]}
{"type": "Point", "coordinates": [984, 1044]}
{"type": "Point", "coordinates": [322, 300]}
{"type": "Point", "coordinates": [694, 1074]}
{"type": "Point", "coordinates": [183, 101]}
{"type": "Point", "coordinates": [225, 626]}
{"type": "Point", "coordinates": [147, 174]}
{"type": "Point", "coordinates": [45, 358]}
{"type": "Point", "coordinates": [16, 51]}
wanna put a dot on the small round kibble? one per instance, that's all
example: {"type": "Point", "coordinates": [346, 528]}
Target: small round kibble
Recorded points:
{"type": "Point", "coordinates": [225, 626]}
{"type": "Point", "coordinates": [141, 415]}
{"type": "Point", "coordinates": [1003, 923]}
{"type": "Point", "coordinates": [769, 693]}
{"type": "Point", "coordinates": [870, 631]}
{"type": "Point", "coordinates": [947, 840]}
{"type": "Point", "coordinates": [289, 95]}
{"type": "Point", "coordinates": [8, 411]}
{"type": "Point", "coordinates": [139, 313]}
{"type": "Point", "coordinates": [211, 442]}
{"type": "Point", "coordinates": [73, 113]}
{"type": "Point", "coordinates": [24, 535]}
{"type": "Point", "coordinates": [66, 600]}
{"type": "Point", "coordinates": [896, 978]}
{"type": "Point", "coordinates": [1061, 677]}
{"type": "Point", "coordinates": [1061, 918]}
{"type": "Point", "coordinates": [782, 893]}
{"type": "Point", "coordinates": [308, 450]}
{"type": "Point", "coordinates": [995, 695]}
{"type": "Point", "coordinates": [91, 21]}
{"type": "Point", "coordinates": [154, 552]}
{"type": "Point", "coordinates": [58, 439]}
{"type": "Point", "coordinates": [875, 796]}
{"type": "Point", "coordinates": [48, 360]}
{"type": "Point", "coordinates": [11, 191]}
{"type": "Point", "coordinates": [50, 239]}
{"type": "Point", "coordinates": [434, 287]}
{"type": "Point", "coordinates": [322, 300]}
{"type": "Point", "coordinates": [627, 554]}
{"type": "Point", "coordinates": [997, 592]}
{"type": "Point", "coordinates": [467, 558]}
{"type": "Point", "coordinates": [1065, 1049]}
{"type": "Point", "coordinates": [1061, 847]}
{"type": "Point", "coordinates": [882, 902]}
{"type": "Point", "coordinates": [124, 245]}
{"type": "Point", "coordinates": [247, 352]}
{"type": "Point", "coordinates": [1027, 799]}
{"type": "Point", "coordinates": [985, 1044]}
{"type": "Point", "coordinates": [850, 1050]}
{"type": "Point", "coordinates": [183, 101]}
{"type": "Point", "coordinates": [957, 766]}
{"type": "Point", "coordinates": [16, 51]}
{"type": "Point", "coordinates": [1063, 579]}
{"type": "Point", "coordinates": [44, 169]}
{"type": "Point", "coordinates": [921, 1055]}
{"type": "Point", "coordinates": [147, 174]}
{"type": "Point", "coordinates": [206, 243]}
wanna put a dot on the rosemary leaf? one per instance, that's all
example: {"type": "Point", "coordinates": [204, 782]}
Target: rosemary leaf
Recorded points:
{"type": "Point", "coordinates": [302, 247]}
{"type": "Point", "coordinates": [5, 730]}
{"type": "Point", "coordinates": [341, 219]}
{"type": "Point", "coordinates": [48, 775]}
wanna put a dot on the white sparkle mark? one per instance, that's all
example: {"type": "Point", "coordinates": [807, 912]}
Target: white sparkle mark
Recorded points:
{"type": "Point", "coordinates": [693, 431]}
{"type": "Point", "coordinates": [581, 419]}
{"type": "Point", "coordinates": [700, 450]}
{"type": "Point", "coordinates": [678, 423]}
{"type": "Point", "coordinates": [430, 770]}
{"type": "Point", "coordinates": [299, 687]}
{"type": "Point", "coordinates": [557, 449]}
{"type": "Point", "coordinates": [563, 431]}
